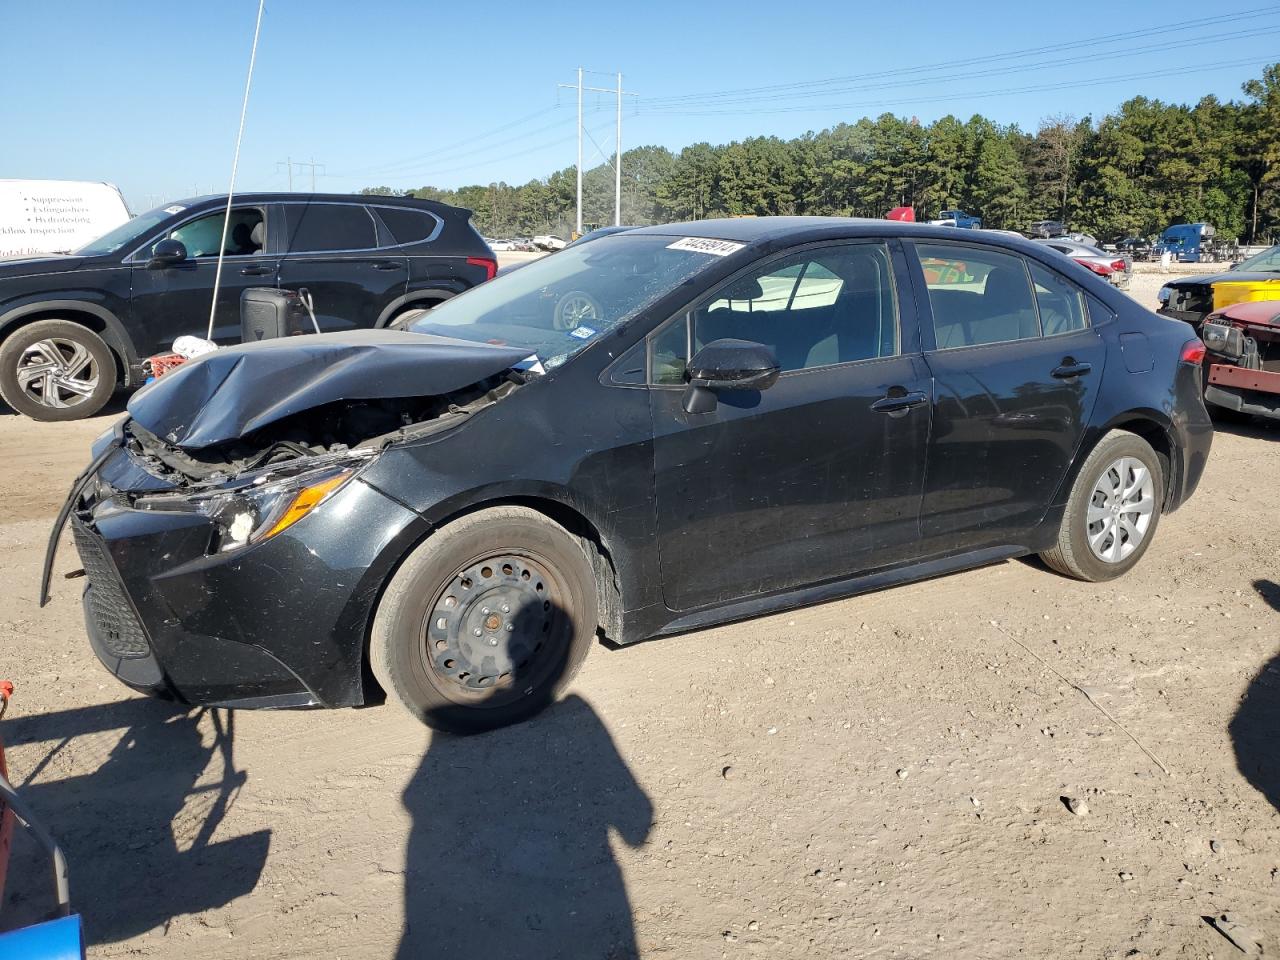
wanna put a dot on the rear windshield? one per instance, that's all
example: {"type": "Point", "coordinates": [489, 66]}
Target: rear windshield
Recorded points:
{"type": "Point", "coordinates": [556, 306]}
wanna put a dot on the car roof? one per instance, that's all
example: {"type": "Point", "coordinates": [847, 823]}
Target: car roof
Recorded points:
{"type": "Point", "coordinates": [753, 230]}
{"type": "Point", "coordinates": [294, 197]}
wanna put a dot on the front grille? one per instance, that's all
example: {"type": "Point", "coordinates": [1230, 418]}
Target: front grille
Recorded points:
{"type": "Point", "coordinates": [117, 624]}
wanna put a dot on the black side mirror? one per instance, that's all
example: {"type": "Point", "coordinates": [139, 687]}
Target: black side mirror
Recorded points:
{"type": "Point", "coordinates": [166, 253]}
{"type": "Point", "coordinates": [728, 365]}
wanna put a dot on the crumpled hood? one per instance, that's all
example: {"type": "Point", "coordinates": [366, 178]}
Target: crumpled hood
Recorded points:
{"type": "Point", "coordinates": [234, 391]}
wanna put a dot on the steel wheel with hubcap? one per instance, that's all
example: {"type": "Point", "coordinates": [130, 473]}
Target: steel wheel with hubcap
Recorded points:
{"type": "Point", "coordinates": [574, 309]}
{"type": "Point", "coordinates": [56, 370]}
{"type": "Point", "coordinates": [486, 621]}
{"type": "Point", "coordinates": [1113, 510]}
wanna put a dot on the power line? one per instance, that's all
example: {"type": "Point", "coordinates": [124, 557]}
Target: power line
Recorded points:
{"type": "Point", "coordinates": [1234, 17]}
{"type": "Point", "coordinates": [970, 75]}
{"type": "Point", "coordinates": [620, 93]}
{"type": "Point", "coordinates": [1007, 91]}
{"type": "Point", "coordinates": [289, 163]}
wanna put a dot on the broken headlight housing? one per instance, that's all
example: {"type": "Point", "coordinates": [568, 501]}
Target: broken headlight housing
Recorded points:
{"type": "Point", "coordinates": [1223, 339]}
{"type": "Point", "coordinates": [260, 505]}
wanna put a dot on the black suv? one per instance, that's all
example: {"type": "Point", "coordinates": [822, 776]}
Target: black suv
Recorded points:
{"type": "Point", "coordinates": [74, 327]}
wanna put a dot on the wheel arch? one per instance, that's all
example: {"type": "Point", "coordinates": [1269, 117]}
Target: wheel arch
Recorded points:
{"type": "Point", "coordinates": [596, 544]}
{"type": "Point", "coordinates": [92, 316]}
{"type": "Point", "coordinates": [427, 297]}
{"type": "Point", "coordinates": [1153, 427]}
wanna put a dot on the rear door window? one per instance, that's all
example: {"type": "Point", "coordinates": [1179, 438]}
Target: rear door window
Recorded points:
{"type": "Point", "coordinates": [1060, 302]}
{"type": "Point", "coordinates": [324, 227]}
{"type": "Point", "coordinates": [977, 296]}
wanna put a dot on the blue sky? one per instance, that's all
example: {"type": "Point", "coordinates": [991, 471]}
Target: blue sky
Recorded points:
{"type": "Point", "coordinates": [147, 94]}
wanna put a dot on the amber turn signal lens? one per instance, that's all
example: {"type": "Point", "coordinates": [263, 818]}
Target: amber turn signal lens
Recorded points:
{"type": "Point", "coordinates": [306, 500]}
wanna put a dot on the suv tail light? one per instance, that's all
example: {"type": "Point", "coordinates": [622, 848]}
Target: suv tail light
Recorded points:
{"type": "Point", "coordinates": [490, 265]}
{"type": "Point", "coordinates": [1100, 269]}
{"type": "Point", "coordinates": [1193, 352]}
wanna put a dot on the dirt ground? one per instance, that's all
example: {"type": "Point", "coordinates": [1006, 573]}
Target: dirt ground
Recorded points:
{"type": "Point", "coordinates": [878, 777]}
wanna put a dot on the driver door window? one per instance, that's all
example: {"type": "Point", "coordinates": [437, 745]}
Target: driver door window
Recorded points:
{"type": "Point", "coordinates": [822, 307]}
{"type": "Point", "coordinates": [202, 235]}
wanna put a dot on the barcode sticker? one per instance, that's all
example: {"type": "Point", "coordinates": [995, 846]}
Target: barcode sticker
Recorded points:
{"type": "Point", "coordinates": [717, 248]}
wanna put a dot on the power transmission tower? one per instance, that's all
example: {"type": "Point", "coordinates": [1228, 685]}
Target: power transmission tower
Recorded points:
{"type": "Point", "coordinates": [617, 164]}
{"type": "Point", "coordinates": [289, 163]}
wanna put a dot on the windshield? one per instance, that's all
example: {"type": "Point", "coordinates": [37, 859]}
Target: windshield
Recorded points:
{"type": "Point", "coordinates": [126, 232]}
{"type": "Point", "coordinates": [556, 306]}
{"type": "Point", "coordinates": [1268, 261]}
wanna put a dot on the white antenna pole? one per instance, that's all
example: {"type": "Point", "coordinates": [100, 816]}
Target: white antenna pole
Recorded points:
{"type": "Point", "coordinates": [235, 163]}
{"type": "Point", "coordinates": [579, 233]}
{"type": "Point", "coordinates": [617, 164]}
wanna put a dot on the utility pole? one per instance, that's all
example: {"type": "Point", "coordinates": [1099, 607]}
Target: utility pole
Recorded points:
{"type": "Point", "coordinates": [289, 163]}
{"type": "Point", "coordinates": [617, 165]}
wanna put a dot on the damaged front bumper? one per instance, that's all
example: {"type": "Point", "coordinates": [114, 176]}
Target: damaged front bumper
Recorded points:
{"type": "Point", "coordinates": [172, 612]}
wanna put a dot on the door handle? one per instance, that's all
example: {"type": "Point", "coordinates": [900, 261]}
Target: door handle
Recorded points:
{"type": "Point", "coordinates": [388, 265]}
{"type": "Point", "coordinates": [900, 404]}
{"type": "Point", "coordinates": [1069, 369]}
{"type": "Point", "coordinates": [257, 271]}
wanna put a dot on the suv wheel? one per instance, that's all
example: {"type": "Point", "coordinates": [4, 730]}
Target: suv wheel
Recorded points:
{"type": "Point", "coordinates": [56, 370]}
{"type": "Point", "coordinates": [1113, 510]}
{"type": "Point", "coordinates": [486, 621]}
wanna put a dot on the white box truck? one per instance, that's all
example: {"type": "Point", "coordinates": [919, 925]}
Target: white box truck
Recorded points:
{"type": "Point", "coordinates": [56, 216]}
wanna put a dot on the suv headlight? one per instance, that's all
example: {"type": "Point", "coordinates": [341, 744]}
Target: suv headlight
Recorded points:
{"type": "Point", "coordinates": [260, 509]}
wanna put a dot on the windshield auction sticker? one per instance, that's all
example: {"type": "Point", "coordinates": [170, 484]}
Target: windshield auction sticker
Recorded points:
{"type": "Point", "coordinates": [717, 248]}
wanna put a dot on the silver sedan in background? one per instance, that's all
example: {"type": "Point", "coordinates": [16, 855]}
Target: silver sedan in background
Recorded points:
{"type": "Point", "coordinates": [1113, 267]}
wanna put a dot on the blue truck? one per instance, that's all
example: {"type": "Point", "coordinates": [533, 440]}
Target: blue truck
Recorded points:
{"type": "Point", "coordinates": [1185, 242]}
{"type": "Point", "coordinates": [965, 221]}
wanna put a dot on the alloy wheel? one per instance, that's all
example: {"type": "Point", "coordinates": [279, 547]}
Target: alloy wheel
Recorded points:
{"type": "Point", "coordinates": [57, 372]}
{"type": "Point", "coordinates": [1120, 509]}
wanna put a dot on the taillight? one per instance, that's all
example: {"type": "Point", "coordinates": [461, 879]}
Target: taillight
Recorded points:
{"type": "Point", "coordinates": [1193, 352]}
{"type": "Point", "coordinates": [1117, 265]}
{"type": "Point", "coordinates": [1100, 269]}
{"type": "Point", "coordinates": [490, 266]}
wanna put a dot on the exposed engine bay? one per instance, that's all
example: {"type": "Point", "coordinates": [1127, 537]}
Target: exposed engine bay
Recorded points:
{"type": "Point", "coordinates": [335, 428]}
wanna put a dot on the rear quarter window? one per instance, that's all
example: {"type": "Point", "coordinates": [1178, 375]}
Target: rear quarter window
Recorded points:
{"type": "Point", "coordinates": [408, 226]}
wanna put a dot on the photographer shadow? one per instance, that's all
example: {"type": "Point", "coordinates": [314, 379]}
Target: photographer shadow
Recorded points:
{"type": "Point", "coordinates": [508, 854]}
{"type": "Point", "coordinates": [1255, 729]}
{"type": "Point", "coordinates": [137, 829]}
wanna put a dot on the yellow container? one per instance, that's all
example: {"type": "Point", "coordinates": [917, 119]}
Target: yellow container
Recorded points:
{"type": "Point", "coordinates": [1227, 292]}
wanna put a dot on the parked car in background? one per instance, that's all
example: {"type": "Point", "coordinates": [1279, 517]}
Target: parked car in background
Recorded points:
{"type": "Point", "coordinates": [761, 413]}
{"type": "Point", "coordinates": [1243, 372]}
{"type": "Point", "coordinates": [55, 216]}
{"type": "Point", "coordinates": [548, 241]}
{"type": "Point", "coordinates": [502, 246]}
{"type": "Point", "coordinates": [1193, 298]}
{"type": "Point", "coordinates": [73, 328]}
{"type": "Point", "coordinates": [1109, 266]}
{"type": "Point", "coordinates": [596, 234]}
{"type": "Point", "coordinates": [1135, 248]}
{"type": "Point", "coordinates": [1043, 229]}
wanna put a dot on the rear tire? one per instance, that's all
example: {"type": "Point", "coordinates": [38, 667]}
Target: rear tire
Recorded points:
{"type": "Point", "coordinates": [1113, 511]}
{"type": "Point", "coordinates": [486, 622]}
{"type": "Point", "coordinates": [56, 370]}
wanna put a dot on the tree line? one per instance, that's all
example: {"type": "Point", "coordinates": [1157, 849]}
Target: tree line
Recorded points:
{"type": "Point", "coordinates": [1131, 173]}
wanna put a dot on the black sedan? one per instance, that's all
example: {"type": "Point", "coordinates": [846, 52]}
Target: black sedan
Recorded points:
{"type": "Point", "coordinates": [760, 414]}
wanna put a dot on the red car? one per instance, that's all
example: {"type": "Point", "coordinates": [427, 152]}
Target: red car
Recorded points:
{"type": "Point", "coordinates": [1243, 344]}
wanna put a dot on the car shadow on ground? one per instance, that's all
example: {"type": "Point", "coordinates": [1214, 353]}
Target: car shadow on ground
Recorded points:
{"type": "Point", "coordinates": [137, 830]}
{"type": "Point", "coordinates": [1255, 428]}
{"type": "Point", "coordinates": [1255, 729]}
{"type": "Point", "coordinates": [509, 853]}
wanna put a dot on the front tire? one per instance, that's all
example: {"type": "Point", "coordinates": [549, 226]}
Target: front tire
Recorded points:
{"type": "Point", "coordinates": [56, 370]}
{"type": "Point", "coordinates": [1113, 510]}
{"type": "Point", "coordinates": [486, 622]}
